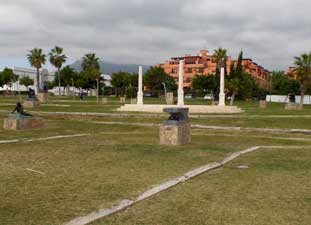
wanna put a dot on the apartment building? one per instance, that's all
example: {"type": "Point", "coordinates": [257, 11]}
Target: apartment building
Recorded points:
{"type": "Point", "coordinates": [205, 64]}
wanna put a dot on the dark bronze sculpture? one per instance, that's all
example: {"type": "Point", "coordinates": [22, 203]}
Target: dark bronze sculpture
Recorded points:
{"type": "Point", "coordinates": [20, 110]}
{"type": "Point", "coordinates": [31, 94]}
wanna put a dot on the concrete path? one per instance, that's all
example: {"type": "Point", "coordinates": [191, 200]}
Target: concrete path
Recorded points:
{"type": "Point", "coordinates": [198, 126]}
{"type": "Point", "coordinates": [42, 139]}
{"type": "Point", "coordinates": [157, 115]}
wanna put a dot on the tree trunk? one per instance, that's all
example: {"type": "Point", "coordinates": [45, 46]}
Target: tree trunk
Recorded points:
{"type": "Point", "coordinates": [232, 99]}
{"type": "Point", "coordinates": [38, 80]}
{"type": "Point", "coordinates": [302, 96]}
{"type": "Point", "coordinates": [58, 81]}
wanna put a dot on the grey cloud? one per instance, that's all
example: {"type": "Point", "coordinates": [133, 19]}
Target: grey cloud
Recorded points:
{"type": "Point", "coordinates": [148, 32]}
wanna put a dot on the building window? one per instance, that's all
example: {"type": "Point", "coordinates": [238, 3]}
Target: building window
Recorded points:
{"type": "Point", "coordinates": [174, 71]}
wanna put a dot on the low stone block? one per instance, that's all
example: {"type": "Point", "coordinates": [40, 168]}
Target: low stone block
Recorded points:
{"type": "Point", "coordinates": [134, 101]}
{"type": "Point", "coordinates": [175, 135]}
{"type": "Point", "coordinates": [30, 103]}
{"type": "Point", "coordinates": [292, 106]}
{"type": "Point", "coordinates": [104, 100]}
{"type": "Point", "coordinates": [262, 104]}
{"type": "Point", "coordinates": [22, 123]}
{"type": "Point", "coordinates": [169, 98]}
{"type": "Point", "coordinates": [122, 100]}
{"type": "Point", "coordinates": [42, 97]}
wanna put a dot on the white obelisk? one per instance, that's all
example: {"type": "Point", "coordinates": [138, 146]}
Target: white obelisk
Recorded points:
{"type": "Point", "coordinates": [180, 101]}
{"type": "Point", "coordinates": [140, 87]}
{"type": "Point", "coordinates": [222, 88]}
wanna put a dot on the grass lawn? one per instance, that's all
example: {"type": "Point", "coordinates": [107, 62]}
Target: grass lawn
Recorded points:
{"type": "Point", "coordinates": [275, 189]}
{"type": "Point", "coordinates": [79, 175]}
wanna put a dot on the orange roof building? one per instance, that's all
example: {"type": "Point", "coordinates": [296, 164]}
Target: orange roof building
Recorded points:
{"type": "Point", "coordinates": [205, 64]}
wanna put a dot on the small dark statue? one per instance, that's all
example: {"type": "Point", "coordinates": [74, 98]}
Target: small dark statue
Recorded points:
{"type": "Point", "coordinates": [19, 110]}
{"type": "Point", "coordinates": [31, 94]}
{"type": "Point", "coordinates": [292, 98]}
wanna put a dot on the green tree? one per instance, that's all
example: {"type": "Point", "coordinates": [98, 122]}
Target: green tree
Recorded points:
{"type": "Point", "coordinates": [156, 76]}
{"type": "Point", "coordinates": [233, 85]}
{"type": "Point", "coordinates": [26, 81]}
{"type": "Point", "coordinates": [67, 76]}
{"type": "Point", "coordinates": [36, 59]}
{"type": "Point", "coordinates": [7, 77]}
{"type": "Point", "coordinates": [57, 58]}
{"type": "Point", "coordinates": [91, 71]}
{"type": "Point", "coordinates": [203, 82]}
{"type": "Point", "coordinates": [220, 57]}
{"type": "Point", "coordinates": [239, 67]}
{"type": "Point", "coordinates": [90, 61]}
{"type": "Point", "coordinates": [88, 78]}
{"type": "Point", "coordinates": [282, 84]}
{"type": "Point", "coordinates": [303, 69]}
{"type": "Point", "coordinates": [247, 86]}
{"type": "Point", "coordinates": [121, 81]}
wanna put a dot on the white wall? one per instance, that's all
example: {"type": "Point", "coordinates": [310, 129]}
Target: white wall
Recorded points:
{"type": "Point", "coordinates": [283, 99]}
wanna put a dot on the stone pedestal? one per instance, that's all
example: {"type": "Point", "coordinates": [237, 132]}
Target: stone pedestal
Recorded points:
{"type": "Point", "coordinates": [175, 135]}
{"type": "Point", "coordinates": [292, 106]}
{"type": "Point", "coordinates": [134, 101]}
{"type": "Point", "coordinates": [104, 100]}
{"type": "Point", "coordinates": [122, 100]}
{"type": "Point", "coordinates": [42, 97]}
{"type": "Point", "coordinates": [262, 104]}
{"type": "Point", "coordinates": [19, 122]}
{"type": "Point", "coordinates": [214, 102]}
{"type": "Point", "coordinates": [176, 130]}
{"type": "Point", "coordinates": [31, 104]}
{"type": "Point", "coordinates": [169, 98]}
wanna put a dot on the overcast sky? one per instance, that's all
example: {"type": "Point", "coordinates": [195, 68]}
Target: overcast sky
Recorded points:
{"type": "Point", "coordinates": [271, 32]}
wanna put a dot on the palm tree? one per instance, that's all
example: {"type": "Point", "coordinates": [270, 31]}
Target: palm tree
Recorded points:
{"type": "Point", "coordinates": [36, 59]}
{"type": "Point", "coordinates": [220, 57]}
{"type": "Point", "coordinates": [303, 70]}
{"type": "Point", "coordinates": [90, 61]}
{"type": "Point", "coordinates": [57, 58]}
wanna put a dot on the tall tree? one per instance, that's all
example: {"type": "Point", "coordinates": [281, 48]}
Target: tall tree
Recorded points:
{"type": "Point", "coordinates": [57, 58]}
{"type": "Point", "coordinates": [303, 70]}
{"type": "Point", "coordinates": [120, 81]}
{"type": "Point", "coordinates": [239, 66]}
{"type": "Point", "coordinates": [8, 77]}
{"type": "Point", "coordinates": [281, 84]}
{"type": "Point", "coordinates": [36, 59]}
{"type": "Point", "coordinates": [220, 55]}
{"type": "Point", "coordinates": [233, 86]}
{"type": "Point", "coordinates": [156, 76]}
{"type": "Point", "coordinates": [90, 61]}
{"type": "Point", "coordinates": [26, 81]}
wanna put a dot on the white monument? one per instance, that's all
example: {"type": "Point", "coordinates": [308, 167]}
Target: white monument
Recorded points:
{"type": "Point", "coordinates": [180, 101]}
{"type": "Point", "coordinates": [222, 88]}
{"type": "Point", "coordinates": [140, 87]}
{"type": "Point", "coordinates": [157, 108]}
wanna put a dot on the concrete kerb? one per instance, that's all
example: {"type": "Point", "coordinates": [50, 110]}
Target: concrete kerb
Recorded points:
{"type": "Point", "coordinates": [169, 184]}
{"type": "Point", "coordinates": [42, 139]}
{"type": "Point", "coordinates": [197, 126]}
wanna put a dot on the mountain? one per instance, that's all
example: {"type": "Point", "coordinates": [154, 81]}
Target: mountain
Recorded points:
{"type": "Point", "coordinates": [109, 68]}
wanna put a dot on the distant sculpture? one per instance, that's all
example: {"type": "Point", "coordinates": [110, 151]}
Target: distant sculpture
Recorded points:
{"type": "Point", "coordinates": [19, 109]}
{"type": "Point", "coordinates": [292, 98]}
{"type": "Point", "coordinates": [31, 94]}
{"type": "Point", "coordinates": [45, 88]}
